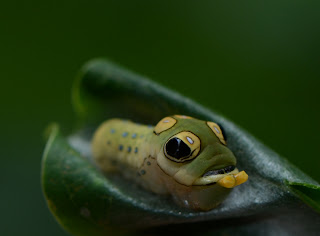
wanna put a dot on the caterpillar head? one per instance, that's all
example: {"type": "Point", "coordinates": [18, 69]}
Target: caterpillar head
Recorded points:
{"type": "Point", "coordinates": [194, 152]}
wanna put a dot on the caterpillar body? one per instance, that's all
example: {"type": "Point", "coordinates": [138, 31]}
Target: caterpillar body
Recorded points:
{"type": "Point", "coordinates": [182, 156]}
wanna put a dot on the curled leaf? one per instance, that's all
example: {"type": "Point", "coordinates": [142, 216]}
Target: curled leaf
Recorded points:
{"type": "Point", "coordinates": [86, 202]}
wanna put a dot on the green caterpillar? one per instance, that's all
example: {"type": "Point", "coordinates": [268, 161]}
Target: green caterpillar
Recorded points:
{"type": "Point", "coordinates": [182, 156]}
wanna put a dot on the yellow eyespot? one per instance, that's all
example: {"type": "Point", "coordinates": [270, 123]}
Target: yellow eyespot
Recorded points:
{"type": "Point", "coordinates": [164, 124]}
{"type": "Point", "coordinates": [182, 117]}
{"type": "Point", "coordinates": [217, 131]}
{"type": "Point", "coordinates": [182, 147]}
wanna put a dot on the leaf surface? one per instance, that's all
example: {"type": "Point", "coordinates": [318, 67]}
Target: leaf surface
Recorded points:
{"type": "Point", "coordinates": [85, 202]}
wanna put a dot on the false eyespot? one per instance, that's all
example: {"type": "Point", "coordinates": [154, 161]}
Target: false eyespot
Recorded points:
{"type": "Point", "coordinates": [217, 131]}
{"type": "Point", "coordinates": [164, 124]}
{"type": "Point", "coordinates": [182, 147]}
{"type": "Point", "coordinates": [183, 117]}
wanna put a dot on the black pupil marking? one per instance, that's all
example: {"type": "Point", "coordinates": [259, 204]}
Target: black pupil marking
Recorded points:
{"type": "Point", "coordinates": [220, 171]}
{"type": "Point", "coordinates": [176, 148]}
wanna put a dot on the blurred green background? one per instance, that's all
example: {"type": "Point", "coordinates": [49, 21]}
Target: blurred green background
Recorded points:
{"type": "Point", "coordinates": [255, 62]}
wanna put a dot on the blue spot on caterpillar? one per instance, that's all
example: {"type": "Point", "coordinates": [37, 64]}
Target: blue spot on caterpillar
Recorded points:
{"type": "Point", "coordinates": [181, 156]}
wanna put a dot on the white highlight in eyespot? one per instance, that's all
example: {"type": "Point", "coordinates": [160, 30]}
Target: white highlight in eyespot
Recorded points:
{"type": "Point", "coordinates": [216, 129]}
{"type": "Point", "coordinates": [166, 121]}
{"type": "Point", "coordinates": [190, 140]}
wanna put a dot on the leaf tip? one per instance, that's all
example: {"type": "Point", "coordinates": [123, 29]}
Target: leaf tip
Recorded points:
{"type": "Point", "coordinates": [51, 128]}
{"type": "Point", "coordinates": [308, 193]}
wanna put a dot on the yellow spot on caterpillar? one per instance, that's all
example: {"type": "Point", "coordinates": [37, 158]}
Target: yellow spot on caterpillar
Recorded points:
{"type": "Point", "coordinates": [164, 124]}
{"type": "Point", "coordinates": [228, 181]}
{"type": "Point", "coordinates": [190, 140]}
{"type": "Point", "coordinates": [217, 131]}
{"type": "Point", "coordinates": [183, 117]}
{"type": "Point", "coordinates": [241, 177]}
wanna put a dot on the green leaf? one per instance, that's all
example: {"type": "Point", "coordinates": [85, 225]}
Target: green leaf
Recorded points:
{"type": "Point", "coordinates": [277, 199]}
{"type": "Point", "coordinates": [309, 193]}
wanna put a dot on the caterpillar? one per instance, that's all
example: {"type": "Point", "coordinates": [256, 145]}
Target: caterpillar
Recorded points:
{"type": "Point", "coordinates": [181, 156]}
